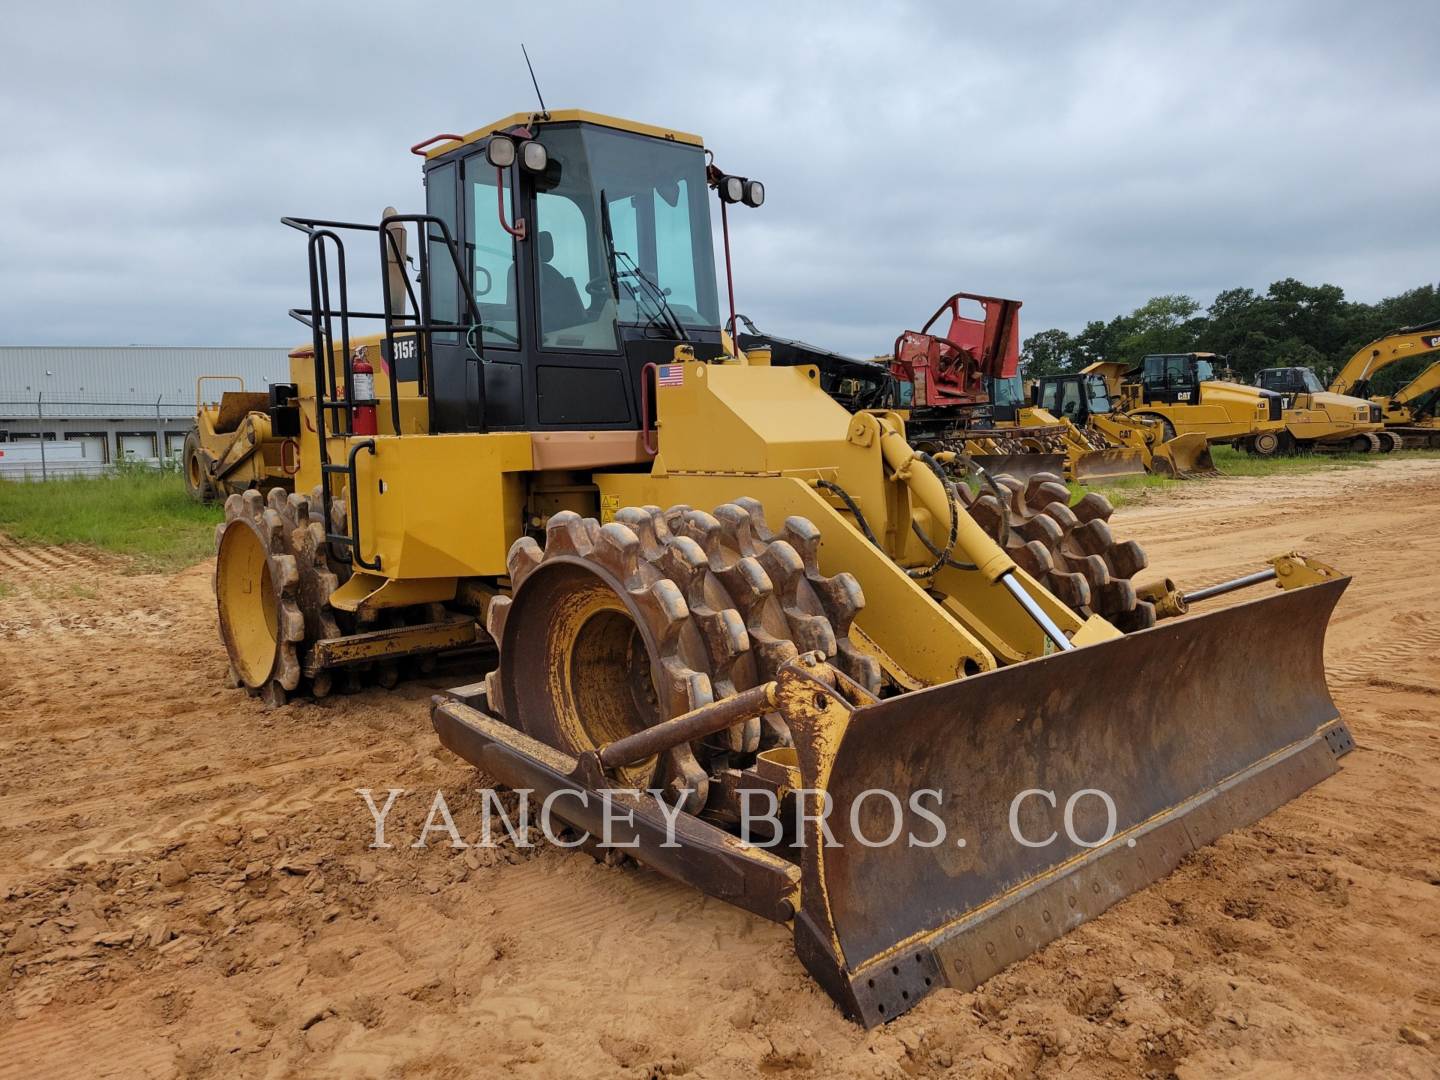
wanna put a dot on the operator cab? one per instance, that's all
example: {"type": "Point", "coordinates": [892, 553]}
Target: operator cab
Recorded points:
{"type": "Point", "coordinates": [1073, 397]}
{"type": "Point", "coordinates": [1289, 380]}
{"type": "Point", "coordinates": [585, 249]}
{"type": "Point", "coordinates": [1176, 377]}
{"type": "Point", "coordinates": [1007, 398]}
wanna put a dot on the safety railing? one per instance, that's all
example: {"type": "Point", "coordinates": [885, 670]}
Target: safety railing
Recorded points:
{"type": "Point", "coordinates": [334, 406]}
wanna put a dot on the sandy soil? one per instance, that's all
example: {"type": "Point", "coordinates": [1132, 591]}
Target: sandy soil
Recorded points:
{"type": "Point", "coordinates": [186, 889]}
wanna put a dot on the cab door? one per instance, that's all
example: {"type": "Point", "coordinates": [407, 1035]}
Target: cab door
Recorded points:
{"type": "Point", "coordinates": [1171, 380]}
{"type": "Point", "coordinates": [477, 373]}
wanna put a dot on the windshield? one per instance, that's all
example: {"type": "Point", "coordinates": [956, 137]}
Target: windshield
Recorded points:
{"type": "Point", "coordinates": [1007, 391]}
{"type": "Point", "coordinates": [1290, 381]}
{"type": "Point", "coordinates": [1204, 370]}
{"type": "Point", "coordinates": [1061, 396]}
{"type": "Point", "coordinates": [1096, 391]}
{"type": "Point", "coordinates": [642, 258]}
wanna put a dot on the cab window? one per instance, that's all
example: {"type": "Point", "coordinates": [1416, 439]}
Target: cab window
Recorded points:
{"type": "Point", "coordinates": [1098, 393]}
{"type": "Point", "coordinates": [492, 257]}
{"type": "Point", "coordinates": [444, 289]}
{"type": "Point", "coordinates": [1009, 391]}
{"type": "Point", "coordinates": [623, 238]}
{"type": "Point", "coordinates": [1070, 399]}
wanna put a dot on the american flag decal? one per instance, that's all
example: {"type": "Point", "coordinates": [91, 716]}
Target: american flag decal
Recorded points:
{"type": "Point", "coordinates": [670, 375]}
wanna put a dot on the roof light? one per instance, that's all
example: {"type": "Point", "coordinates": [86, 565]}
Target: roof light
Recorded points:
{"type": "Point", "coordinates": [754, 193]}
{"type": "Point", "coordinates": [732, 188]}
{"type": "Point", "coordinates": [533, 156]}
{"type": "Point", "coordinates": [500, 151]}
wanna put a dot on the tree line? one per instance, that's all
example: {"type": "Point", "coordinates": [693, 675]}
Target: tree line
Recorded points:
{"type": "Point", "coordinates": [1290, 325]}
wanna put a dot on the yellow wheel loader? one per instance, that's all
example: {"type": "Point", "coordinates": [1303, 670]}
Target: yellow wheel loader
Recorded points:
{"type": "Point", "coordinates": [1409, 415]}
{"type": "Point", "coordinates": [242, 441]}
{"type": "Point", "coordinates": [1316, 419]}
{"type": "Point", "coordinates": [743, 634]}
{"type": "Point", "coordinates": [1179, 391]}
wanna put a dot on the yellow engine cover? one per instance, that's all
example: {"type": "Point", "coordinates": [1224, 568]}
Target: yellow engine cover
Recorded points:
{"type": "Point", "coordinates": [442, 506]}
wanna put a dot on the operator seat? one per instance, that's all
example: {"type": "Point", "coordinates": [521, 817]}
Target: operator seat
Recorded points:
{"type": "Point", "coordinates": [560, 304]}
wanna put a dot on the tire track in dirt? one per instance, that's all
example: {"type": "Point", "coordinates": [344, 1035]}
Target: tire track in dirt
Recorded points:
{"type": "Point", "coordinates": [188, 889]}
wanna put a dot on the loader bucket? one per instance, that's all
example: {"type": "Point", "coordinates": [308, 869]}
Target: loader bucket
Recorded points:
{"type": "Point", "coordinates": [1190, 729]}
{"type": "Point", "coordinates": [1184, 457]}
{"type": "Point", "coordinates": [1096, 465]}
{"type": "Point", "coordinates": [1020, 466]}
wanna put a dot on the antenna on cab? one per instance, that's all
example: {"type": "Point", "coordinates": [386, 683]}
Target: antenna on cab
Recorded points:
{"type": "Point", "coordinates": [544, 112]}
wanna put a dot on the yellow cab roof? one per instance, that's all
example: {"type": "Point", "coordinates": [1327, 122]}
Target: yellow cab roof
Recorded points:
{"type": "Point", "coordinates": [560, 116]}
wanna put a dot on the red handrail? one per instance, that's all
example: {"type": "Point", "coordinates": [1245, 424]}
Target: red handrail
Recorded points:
{"type": "Point", "coordinates": [419, 148]}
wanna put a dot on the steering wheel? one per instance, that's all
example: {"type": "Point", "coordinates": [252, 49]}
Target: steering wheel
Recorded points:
{"type": "Point", "coordinates": [489, 282]}
{"type": "Point", "coordinates": [599, 286]}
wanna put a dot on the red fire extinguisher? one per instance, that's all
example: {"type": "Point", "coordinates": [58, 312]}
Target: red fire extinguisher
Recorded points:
{"type": "Point", "coordinates": [362, 377]}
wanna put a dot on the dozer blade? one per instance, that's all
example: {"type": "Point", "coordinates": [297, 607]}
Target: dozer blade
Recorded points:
{"type": "Point", "coordinates": [1109, 464]}
{"type": "Point", "coordinates": [1190, 729]}
{"type": "Point", "coordinates": [1184, 457]}
{"type": "Point", "coordinates": [1020, 466]}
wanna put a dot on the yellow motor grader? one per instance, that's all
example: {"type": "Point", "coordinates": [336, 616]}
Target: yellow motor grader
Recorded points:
{"type": "Point", "coordinates": [712, 588]}
{"type": "Point", "coordinates": [242, 441]}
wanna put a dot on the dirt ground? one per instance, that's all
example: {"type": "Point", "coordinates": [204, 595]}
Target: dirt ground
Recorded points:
{"type": "Point", "coordinates": [186, 887]}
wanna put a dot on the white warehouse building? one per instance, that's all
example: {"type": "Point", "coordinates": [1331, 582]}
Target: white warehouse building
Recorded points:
{"type": "Point", "coordinates": [95, 405]}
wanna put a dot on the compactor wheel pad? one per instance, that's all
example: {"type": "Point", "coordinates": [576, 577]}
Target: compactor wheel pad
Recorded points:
{"type": "Point", "coordinates": [273, 583]}
{"type": "Point", "coordinates": [1069, 549]}
{"type": "Point", "coordinates": [612, 628]}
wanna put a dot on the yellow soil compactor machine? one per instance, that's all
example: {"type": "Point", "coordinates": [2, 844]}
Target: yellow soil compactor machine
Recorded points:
{"type": "Point", "coordinates": [1114, 438]}
{"type": "Point", "coordinates": [709, 585]}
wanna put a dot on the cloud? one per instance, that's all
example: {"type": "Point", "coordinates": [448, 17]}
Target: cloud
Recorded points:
{"type": "Point", "coordinates": [1080, 158]}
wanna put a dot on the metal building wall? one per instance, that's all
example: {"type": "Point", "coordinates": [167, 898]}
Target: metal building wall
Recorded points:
{"type": "Point", "coordinates": [116, 382]}
{"type": "Point", "coordinates": [116, 402]}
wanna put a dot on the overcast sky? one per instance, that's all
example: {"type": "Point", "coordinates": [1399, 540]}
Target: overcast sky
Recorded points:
{"type": "Point", "coordinates": [1078, 157]}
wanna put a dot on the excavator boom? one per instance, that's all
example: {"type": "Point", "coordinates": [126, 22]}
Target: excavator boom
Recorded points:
{"type": "Point", "coordinates": [1355, 376]}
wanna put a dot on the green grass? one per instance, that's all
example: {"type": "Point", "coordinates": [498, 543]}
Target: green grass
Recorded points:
{"type": "Point", "coordinates": [141, 514]}
{"type": "Point", "coordinates": [1126, 489]}
{"type": "Point", "coordinates": [1232, 462]}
